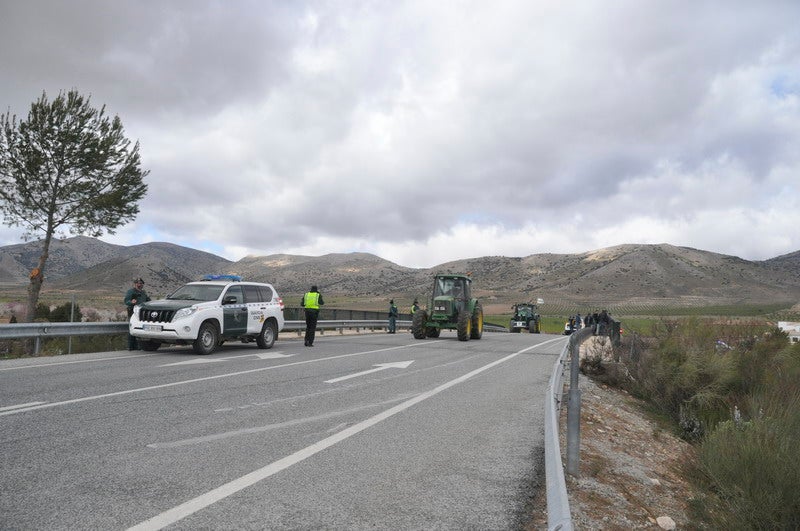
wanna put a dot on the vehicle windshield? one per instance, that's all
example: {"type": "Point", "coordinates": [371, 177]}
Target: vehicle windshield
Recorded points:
{"type": "Point", "coordinates": [453, 287]}
{"type": "Point", "coordinates": [194, 292]}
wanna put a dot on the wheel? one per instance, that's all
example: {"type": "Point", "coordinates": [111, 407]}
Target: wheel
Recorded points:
{"type": "Point", "coordinates": [149, 345]}
{"type": "Point", "coordinates": [207, 339]}
{"type": "Point", "coordinates": [418, 324]}
{"type": "Point", "coordinates": [432, 331]}
{"type": "Point", "coordinates": [266, 338]}
{"type": "Point", "coordinates": [533, 326]}
{"type": "Point", "coordinates": [477, 322]}
{"type": "Point", "coordinates": [464, 325]}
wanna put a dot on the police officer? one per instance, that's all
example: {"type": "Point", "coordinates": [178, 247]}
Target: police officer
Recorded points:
{"type": "Point", "coordinates": [414, 307]}
{"type": "Point", "coordinates": [134, 296]}
{"type": "Point", "coordinates": [392, 317]}
{"type": "Point", "coordinates": [312, 300]}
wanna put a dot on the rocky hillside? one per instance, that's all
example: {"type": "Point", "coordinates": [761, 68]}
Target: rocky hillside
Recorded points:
{"type": "Point", "coordinates": [626, 274]}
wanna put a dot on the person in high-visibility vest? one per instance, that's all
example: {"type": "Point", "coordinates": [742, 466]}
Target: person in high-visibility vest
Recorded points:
{"type": "Point", "coordinates": [312, 300]}
{"type": "Point", "coordinates": [414, 307]}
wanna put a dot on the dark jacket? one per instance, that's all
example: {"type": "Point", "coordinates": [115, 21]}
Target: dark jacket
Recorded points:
{"type": "Point", "coordinates": [135, 294]}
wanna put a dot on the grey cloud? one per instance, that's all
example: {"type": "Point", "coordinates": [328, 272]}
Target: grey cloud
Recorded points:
{"type": "Point", "coordinates": [387, 120]}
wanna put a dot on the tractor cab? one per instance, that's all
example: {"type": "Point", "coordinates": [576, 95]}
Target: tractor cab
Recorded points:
{"type": "Point", "coordinates": [450, 293]}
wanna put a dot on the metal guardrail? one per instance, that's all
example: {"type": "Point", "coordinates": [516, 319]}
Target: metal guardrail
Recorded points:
{"type": "Point", "coordinates": [45, 330]}
{"type": "Point", "coordinates": [559, 517]}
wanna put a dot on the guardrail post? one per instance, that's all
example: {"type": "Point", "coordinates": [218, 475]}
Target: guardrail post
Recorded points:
{"type": "Point", "coordinates": [574, 411]}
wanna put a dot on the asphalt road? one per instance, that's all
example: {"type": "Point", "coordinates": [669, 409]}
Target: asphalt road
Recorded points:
{"type": "Point", "coordinates": [371, 431]}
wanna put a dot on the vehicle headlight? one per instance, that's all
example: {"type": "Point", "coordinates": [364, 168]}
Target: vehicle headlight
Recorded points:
{"type": "Point", "coordinates": [184, 312]}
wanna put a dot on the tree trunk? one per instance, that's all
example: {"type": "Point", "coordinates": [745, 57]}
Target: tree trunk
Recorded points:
{"type": "Point", "coordinates": [37, 279]}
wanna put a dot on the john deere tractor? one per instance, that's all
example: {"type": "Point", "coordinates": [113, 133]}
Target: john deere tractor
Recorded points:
{"type": "Point", "coordinates": [451, 307]}
{"type": "Point", "coordinates": [525, 316]}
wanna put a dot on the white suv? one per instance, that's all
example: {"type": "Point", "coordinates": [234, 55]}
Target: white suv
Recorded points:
{"type": "Point", "coordinates": [209, 312]}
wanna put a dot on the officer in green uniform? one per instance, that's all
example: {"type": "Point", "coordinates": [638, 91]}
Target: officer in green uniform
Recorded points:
{"type": "Point", "coordinates": [134, 296]}
{"type": "Point", "coordinates": [312, 300]}
{"type": "Point", "coordinates": [392, 317]}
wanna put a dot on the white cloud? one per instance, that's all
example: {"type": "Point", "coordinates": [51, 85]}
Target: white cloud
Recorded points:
{"type": "Point", "coordinates": [426, 132]}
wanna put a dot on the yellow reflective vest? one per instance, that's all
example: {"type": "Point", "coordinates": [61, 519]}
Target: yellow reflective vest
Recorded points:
{"type": "Point", "coordinates": [311, 300]}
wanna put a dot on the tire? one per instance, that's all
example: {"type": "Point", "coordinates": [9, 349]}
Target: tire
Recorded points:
{"type": "Point", "coordinates": [149, 345]}
{"type": "Point", "coordinates": [464, 325]}
{"type": "Point", "coordinates": [269, 333]}
{"type": "Point", "coordinates": [477, 322]}
{"type": "Point", "coordinates": [433, 332]}
{"type": "Point", "coordinates": [418, 324]}
{"type": "Point", "coordinates": [207, 339]}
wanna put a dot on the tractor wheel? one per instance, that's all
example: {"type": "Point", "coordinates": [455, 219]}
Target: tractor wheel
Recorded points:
{"type": "Point", "coordinates": [432, 331]}
{"type": "Point", "coordinates": [418, 324]}
{"type": "Point", "coordinates": [477, 322]}
{"type": "Point", "coordinates": [464, 325]}
{"type": "Point", "coordinates": [533, 326]}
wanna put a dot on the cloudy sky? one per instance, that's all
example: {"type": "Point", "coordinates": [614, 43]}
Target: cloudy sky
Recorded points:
{"type": "Point", "coordinates": [428, 131]}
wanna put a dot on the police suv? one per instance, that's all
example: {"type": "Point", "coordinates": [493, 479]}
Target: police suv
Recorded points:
{"type": "Point", "coordinates": [207, 313]}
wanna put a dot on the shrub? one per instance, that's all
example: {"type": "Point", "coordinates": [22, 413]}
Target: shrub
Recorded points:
{"type": "Point", "coordinates": [754, 468]}
{"type": "Point", "coordinates": [734, 388]}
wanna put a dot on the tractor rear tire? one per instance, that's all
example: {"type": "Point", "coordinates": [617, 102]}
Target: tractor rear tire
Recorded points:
{"type": "Point", "coordinates": [477, 322]}
{"type": "Point", "coordinates": [418, 324]}
{"type": "Point", "coordinates": [464, 325]}
{"type": "Point", "coordinates": [533, 326]}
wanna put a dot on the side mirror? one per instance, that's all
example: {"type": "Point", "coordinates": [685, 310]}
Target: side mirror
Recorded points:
{"type": "Point", "coordinates": [230, 299]}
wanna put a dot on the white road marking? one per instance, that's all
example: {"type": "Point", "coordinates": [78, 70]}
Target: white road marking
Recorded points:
{"type": "Point", "coordinates": [40, 365]}
{"type": "Point", "coordinates": [268, 427]}
{"type": "Point", "coordinates": [196, 380]}
{"type": "Point", "coordinates": [378, 367]}
{"type": "Point", "coordinates": [18, 406]}
{"type": "Point", "coordinates": [263, 356]}
{"type": "Point", "coordinates": [228, 489]}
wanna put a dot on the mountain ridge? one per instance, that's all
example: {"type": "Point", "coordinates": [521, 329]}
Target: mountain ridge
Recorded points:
{"type": "Point", "coordinates": [628, 273]}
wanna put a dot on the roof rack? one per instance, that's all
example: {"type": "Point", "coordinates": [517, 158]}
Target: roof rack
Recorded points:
{"type": "Point", "coordinates": [232, 278]}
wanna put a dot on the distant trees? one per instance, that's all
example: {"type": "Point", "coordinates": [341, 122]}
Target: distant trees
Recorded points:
{"type": "Point", "coordinates": [67, 167]}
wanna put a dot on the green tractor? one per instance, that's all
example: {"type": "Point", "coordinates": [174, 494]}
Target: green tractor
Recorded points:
{"type": "Point", "coordinates": [451, 307]}
{"type": "Point", "coordinates": [525, 316]}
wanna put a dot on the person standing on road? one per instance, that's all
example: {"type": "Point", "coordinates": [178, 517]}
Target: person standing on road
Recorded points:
{"type": "Point", "coordinates": [134, 296]}
{"type": "Point", "coordinates": [392, 317]}
{"type": "Point", "coordinates": [312, 300]}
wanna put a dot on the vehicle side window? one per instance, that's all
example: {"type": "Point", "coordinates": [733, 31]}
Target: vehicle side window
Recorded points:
{"type": "Point", "coordinates": [235, 291]}
{"type": "Point", "coordinates": [266, 293]}
{"type": "Point", "coordinates": [252, 294]}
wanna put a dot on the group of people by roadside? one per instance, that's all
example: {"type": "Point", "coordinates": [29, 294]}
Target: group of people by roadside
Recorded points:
{"type": "Point", "coordinates": [601, 321]}
{"type": "Point", "coordinates": [394, 313]}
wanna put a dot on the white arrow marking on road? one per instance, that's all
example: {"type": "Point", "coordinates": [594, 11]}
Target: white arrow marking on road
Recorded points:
{"type": "Point", "coordinates": [264, 356]}
{"type": "Point", "coordinates": [378, 367]}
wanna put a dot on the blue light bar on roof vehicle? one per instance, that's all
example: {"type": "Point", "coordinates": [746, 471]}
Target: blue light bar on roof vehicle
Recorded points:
{"type": "Point", "coordinates": [232, 278]}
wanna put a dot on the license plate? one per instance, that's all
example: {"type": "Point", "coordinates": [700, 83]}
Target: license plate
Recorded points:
{"type": "Point", "coordinates": [151, 328]}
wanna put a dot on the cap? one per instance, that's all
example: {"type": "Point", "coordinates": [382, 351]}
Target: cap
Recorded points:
{"type": "Point", "coordinates": [313, 288]}
{"type": "Point", "coordinates": [138, 280]}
